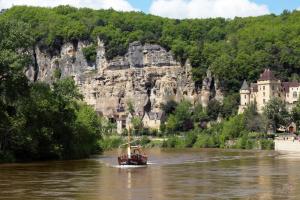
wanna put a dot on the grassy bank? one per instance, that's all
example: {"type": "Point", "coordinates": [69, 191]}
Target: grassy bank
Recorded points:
{"type": "Point", "coordinates": [190, 140]}
{"type": "Point", "coordinates": [208, 141]}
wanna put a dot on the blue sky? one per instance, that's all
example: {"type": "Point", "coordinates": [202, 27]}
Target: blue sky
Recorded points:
{"type": "Point", "coordinates": [275, 6]}
{"type": "Point", "coordinates": [179, 9]}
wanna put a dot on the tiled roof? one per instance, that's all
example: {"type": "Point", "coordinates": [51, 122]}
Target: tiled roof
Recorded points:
{"type": "Point", "coordinates": [155, 115]}
{"type": "Point", "coordinates": [245, 86]}
{"type": "Point", "coordinates": [267, 75]}
{"type": "Point", "coordinates": [286, 85]}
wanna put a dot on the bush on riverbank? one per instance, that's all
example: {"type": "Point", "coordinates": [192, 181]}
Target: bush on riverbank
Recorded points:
{"type": "Point", "coordinates": [266, 144]}
{"type": "Point", "coordinates": [110, 142]}
{"type": "Point", "coordinates": [174, 142]}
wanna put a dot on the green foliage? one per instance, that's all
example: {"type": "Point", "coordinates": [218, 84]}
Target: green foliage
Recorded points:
{"type": "Point", "coordinates": [228, 47]}
{"type": "Point", "coordinates": [276, 113]}
{"type": "Point", "coordinates": [296, 113]}
{"type": "Point", "coordinates": [57, 74]}
{"type": "Point", "coordinates": [144, 141]}
{"type": "Point", "coordinates": [213, 109]}
{"type": "Point", "coordinates": [130, 107]}
{"type": "Point", "coordinates": [190, 139]}
{"type": "Point", "coordinates": [206, 141]}
{"type": "Point", "coordinates": [15, 41]}
{"type": "Point", "coordinates": [42, 122]}
{"type": "Point", "coordinates": [245, 142]}
{"type": "Point", "coordinates": [233, 128]}
{"type": "Point", "coordinates": [254, 121]}
{"type": "Point", "coordinates": [181, 120]}
{"type": "Point", "coordinates": [173, 142]}
{"type": "Point", "coordinates": [110, 142]}
{"type": "Point", "coordinates": [37, 121]}
{"type": "Point", "coordinates": [230, 105]}
{"type": "Point", "coordinates": [137, 123]}
{"type": "Point", "coordinates": [267, 144]}
{"type": "Point", "coordinates": [169, 107]}
{"type": "Point", "coordinates": [87, 130]}
{"type": "Point", "coordinates": [200, 114]}
{"type": "Point", "coordinates": [90, 53]}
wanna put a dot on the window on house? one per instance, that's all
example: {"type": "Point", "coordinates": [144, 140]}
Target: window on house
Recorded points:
{"type": "Point", "coordinates": [245, 96]}
{"type": "Point", "coordinates": [294, 95]}
{"type": "Point", "coordinates": [264, 100]}
{"type": "Point", "coordinates": [263, 87]}
{"type": "Point", "coordinates": [273, 88]}
{"type": "Point", "coordinates": [264, 93]}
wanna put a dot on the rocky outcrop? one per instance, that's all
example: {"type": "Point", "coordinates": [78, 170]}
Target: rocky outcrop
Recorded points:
{"type": "Point", "coordinates": [210, 90]}
{"type": "Point", "coordinates": [146, 88]}
{"type": "Point", "coordinates": [147, 76]}
{"type": "Point", "coordinates": [70, 62]}
{"type": "Point", "coordinates": [138, 56]}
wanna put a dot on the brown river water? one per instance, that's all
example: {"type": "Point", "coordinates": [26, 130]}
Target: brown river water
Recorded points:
{"type": "Point", "coordinates": [171, 174]}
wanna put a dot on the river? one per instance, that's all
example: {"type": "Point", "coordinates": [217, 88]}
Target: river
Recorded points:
{"type": "Point", "coordinates": [172, 174]}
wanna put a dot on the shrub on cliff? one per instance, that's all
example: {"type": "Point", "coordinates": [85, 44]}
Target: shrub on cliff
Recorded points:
{"type": "Point", "coordinates": [90, 53]}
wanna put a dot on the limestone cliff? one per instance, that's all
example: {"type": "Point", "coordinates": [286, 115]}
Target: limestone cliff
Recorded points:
{"type": "Point", "coordinates": [146, 76]}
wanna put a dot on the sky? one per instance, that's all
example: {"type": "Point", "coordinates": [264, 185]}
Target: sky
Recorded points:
{"type": "Point", "coordinates": [179, 9]}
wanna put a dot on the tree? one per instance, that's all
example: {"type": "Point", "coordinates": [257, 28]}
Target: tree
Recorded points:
{"type": "Point", "coordinates": [296, 113]}
{"type": "Point", "coordinates": [137, 123]}
{"type": "Point", "coordinates": [181, 120]}
{"type": "Point", "coordinates": [213, 109]}
{"type": "Point", "coordinates": [15, 43]}
{"type": "Point", "coordinates": [169, 107]}
{"type": "Point", "coordinates": [276, 113]}
{"type": "Point", "coordinates": [199, 114]}
{"type": "Point", "coordinates": [130, 107]}
{"type": "Point", "coordinates": [233, 128]}
{"type": "Point", "coordinates": [230, 105]}
{"type": "Point", "coordinates": [254, 122]}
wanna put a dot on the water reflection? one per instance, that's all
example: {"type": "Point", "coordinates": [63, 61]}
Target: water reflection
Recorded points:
{"type": "Point", "coordinates": [184, 174]}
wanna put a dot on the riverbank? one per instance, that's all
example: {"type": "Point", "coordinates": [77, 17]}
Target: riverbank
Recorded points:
{"type": "Point", "coordinates": [287, 143]}
{"type": "Point", "coordinates": [189, 140]}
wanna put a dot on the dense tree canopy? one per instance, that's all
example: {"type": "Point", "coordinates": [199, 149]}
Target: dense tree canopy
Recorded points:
{"type": "Point", "coordinates": [39, 121]}
{"type": "Point", "coordinates": [233, 49]}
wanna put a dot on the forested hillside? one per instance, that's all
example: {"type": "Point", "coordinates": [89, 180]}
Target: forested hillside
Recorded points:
{"type": "Point", "coordinates": [233, 49]}
{"type": "Point", "coordinates": [39, 121]}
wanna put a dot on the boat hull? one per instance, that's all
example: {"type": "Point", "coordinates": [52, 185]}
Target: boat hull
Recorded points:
{"type": "Point", "coordinates": [134, 160]}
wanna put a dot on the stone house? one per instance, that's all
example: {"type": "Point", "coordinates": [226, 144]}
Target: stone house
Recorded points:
{"type": "Point", "coordinates": [125, 121]}
{"type": "Point", "coordinates": [153, 120]}
{"type": "Point", "coordinates": [266, 88]}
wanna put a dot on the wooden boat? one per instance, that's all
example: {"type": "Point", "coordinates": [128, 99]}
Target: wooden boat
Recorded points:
{"type": "Point", "coordinates": [134, 156]}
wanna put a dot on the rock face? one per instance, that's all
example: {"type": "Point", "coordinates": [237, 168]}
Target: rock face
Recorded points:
{"type": "Point", "coordinates": [70, 62]}
{"type": "Point", "coordinates": [147, 76]}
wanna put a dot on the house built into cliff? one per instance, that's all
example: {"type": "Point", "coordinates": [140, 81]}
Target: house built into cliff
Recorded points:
{"type": "Point", "coordinates": [153, 120]}
{"type": "Point", "coordinates": [266, 88]}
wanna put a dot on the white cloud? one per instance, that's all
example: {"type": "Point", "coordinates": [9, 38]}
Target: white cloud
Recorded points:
{"type": "Point", "coordinates": [121, 5]}
{"type": "Point", "coordinates": [207, 8]}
